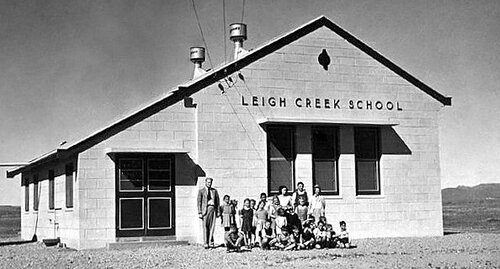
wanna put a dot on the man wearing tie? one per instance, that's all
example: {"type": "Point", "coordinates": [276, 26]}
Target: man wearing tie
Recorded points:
{"type": "Point", "coordinates": [208, 204]}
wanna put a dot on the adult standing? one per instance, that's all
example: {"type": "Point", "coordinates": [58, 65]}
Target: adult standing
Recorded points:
{"type": "Point", "coordinates": [208, 203]}
{"type": "Point", "coordinates": [285, 198]}
{"type": "Point", "coordinates": [317, 204]}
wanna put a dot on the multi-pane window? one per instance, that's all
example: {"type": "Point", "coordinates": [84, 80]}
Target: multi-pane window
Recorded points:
{"type": "Point", "coordinates": [159, 174]}
{"type": "Point", "coordinates": [69, 185]}
{"type": "Point", "coordinates": [281, 157]}
{"type": "Point", "coordinates": [35, 193]}
{"type": "Point", "coordinates": [131, 174]}
{"type": "Point", "coordinates": [367, 156]}
{"type": "Point", "coordinates": [26, 194]}
{"type": "Point", "coordinates": [51, 189]}
{"type": "Point", "coordinates": [325, 158]}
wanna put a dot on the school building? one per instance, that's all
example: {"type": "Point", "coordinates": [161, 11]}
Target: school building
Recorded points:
{"type": "Point", "coordinates": [315, 105]}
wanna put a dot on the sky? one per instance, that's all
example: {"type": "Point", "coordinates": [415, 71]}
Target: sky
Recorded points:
{"type": "Point", "coordinates": [70, 67]}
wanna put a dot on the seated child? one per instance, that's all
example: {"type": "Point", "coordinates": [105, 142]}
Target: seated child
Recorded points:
{"type": "Point", "coordinates": [343, 237]}
{"type": "Point", "coordinates": [307, 238]}
{"type": "Point", "coordinates": [234, 239]}
{"type": "Point", "coordinates": [330, 236]}
{"type": "Point", "coordinates": [320, 235]}
{"type": "Point", "coordinates": [283, 240]}
{"type": "Point", "coordinates": [267, 235]}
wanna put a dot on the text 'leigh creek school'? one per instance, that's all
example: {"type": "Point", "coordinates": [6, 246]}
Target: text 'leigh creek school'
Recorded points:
{"type": "Point", "coordinates": [320, 103]}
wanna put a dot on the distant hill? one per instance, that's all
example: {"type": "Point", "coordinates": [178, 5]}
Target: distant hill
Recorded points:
{"type": "Point", "coordinates": [460, 194]}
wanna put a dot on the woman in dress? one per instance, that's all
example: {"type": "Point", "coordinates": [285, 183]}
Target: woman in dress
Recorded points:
{"type": "Point", "coordinates": [285, 198]}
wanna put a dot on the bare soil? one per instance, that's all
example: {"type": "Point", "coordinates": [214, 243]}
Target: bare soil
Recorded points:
{"type": "Point", "coordinates": [470, 250]}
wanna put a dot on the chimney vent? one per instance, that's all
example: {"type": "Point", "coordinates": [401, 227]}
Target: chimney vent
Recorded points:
{"type": "Point", "coordinates": [197, 56]}
{"type": "Point", "coordinates": [237, 34]}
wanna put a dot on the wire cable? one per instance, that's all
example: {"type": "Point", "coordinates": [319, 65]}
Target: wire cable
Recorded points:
{"type": "Point", "coordinates": [202, 35]}
{"type": "Point", "coordinates": [224, 28]}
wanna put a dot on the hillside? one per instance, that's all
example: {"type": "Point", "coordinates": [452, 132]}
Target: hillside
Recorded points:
{"type": "Point", "coordinates": [477, 193]}
{"type": "Point", "coordinates": [10, 221]}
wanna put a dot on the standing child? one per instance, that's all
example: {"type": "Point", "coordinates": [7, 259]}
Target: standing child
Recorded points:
{"type": "Point", "coordinates": [260, 219]}
{"type": "Point", "coordinates": [254, 222]}
{"type": "Point", "coordinates": [302, 210]}
{"type": "Point", "coordinates": [246, 214]}
{"type": "Point", "coordinates": [228, 213]}
{"type": "Point", "coordinates": [344, 240]}
{"type": "Point", "coordinates": [263, 197]}
{"type": "Point", "coordinates": [273, 211]}
{"type": "Point", "coordinates": [280, 221]}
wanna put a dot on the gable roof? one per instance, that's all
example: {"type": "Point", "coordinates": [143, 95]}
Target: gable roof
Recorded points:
{"type": "Point", "coordinates": [187, 89]}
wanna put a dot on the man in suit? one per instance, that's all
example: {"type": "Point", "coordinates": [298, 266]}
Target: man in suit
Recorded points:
{"type": "Point", "coordinates": [208, 204]}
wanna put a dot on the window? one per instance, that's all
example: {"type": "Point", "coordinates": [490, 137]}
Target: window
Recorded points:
{"type": "Point", "coordinates": [51, 189]}
{"type": "Point", "coordinates": [26, 194]}
{"type": "Point", "coordinates": [36, 201]}
{"type": "Point", "coordinates": [280, 157]}
{"type": "Point", "coordinates": [131, 175]}
{"type": "Point", "coordinates": [367, 156]}
{"type": "Point", "coordinates": [69, 185]}
{"type": "Point", "coordinates": [324, 157]}
{"type": "Point", "coordinates": [159, 175]}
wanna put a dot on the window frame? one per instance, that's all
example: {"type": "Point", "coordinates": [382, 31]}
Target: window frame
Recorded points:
{"type": "Point", "coordinates": [293, 130]}
{"type": "Point", "coordinates": [335, 159]}
{"type": "Point", "coordinates": [51, 191]}
{"type": "Point", "coordinates": [69, 174]}
{"type": "Point", "coordinates": [26, 194]}
{"type": "Point", "coordinates": [36, 193]}
{"type": "Point", "coordinates": [376, 160]}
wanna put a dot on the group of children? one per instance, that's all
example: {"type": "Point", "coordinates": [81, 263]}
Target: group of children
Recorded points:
{"type": "Point", "coordinates": [278, 226]}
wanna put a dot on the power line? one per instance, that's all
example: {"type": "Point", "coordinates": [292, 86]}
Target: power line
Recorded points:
{"type": "Point", "coordinates": [224, 28]}
{"type": "Point", "coordinates": [201, 31]}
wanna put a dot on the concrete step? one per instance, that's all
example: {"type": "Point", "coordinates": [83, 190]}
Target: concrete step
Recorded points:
{"type": "Point", "coordinates": [144, 244]}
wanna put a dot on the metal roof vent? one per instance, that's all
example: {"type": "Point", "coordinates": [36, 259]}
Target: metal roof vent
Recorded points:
{"type": "Point", "coordinates": [197, 56]}
{"type": "Point", "coordinates": [237, 34]}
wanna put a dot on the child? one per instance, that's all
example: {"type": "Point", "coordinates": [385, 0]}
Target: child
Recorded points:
{"type": "Point", "coordinates": [307, 239]}
{"type": "Point", "coordinates": [302, 210]}
{"type": "Point", "coordinates": [280, 221]}
{"type": "Point", "coordinates": [254, 222]}
{"type": "Point", "coordinates": [228, 213]}
{"type": "Point", "coordinates": [233, 239]}
{"type": "Point", "coordinates": [293, 220]}
{"type": "Point", "coordinates": [283, 240]}
{"type": "Point", "coordinates": [331, 239]}
{"type": "Point", "coordinates": [273, 211]}
{"type": "Point", "coordinates": [246, 214]}
{"type": "Point", "coordinates": [260, 219]}
{"type": "Point", "coordinates": [320, 235]}
{"type": "Point", "coordinates": [263, 197]}
{"type": "Point", "coordinates": [299, 193]}
{"type": "Point", "coordinates": [344, 240]}
{"type": "Point", "coordinates": [267, 235]}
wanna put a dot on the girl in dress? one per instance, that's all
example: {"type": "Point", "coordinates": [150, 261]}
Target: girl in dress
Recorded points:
{"type": "Point", "coordinates": [273, 211]}
{"type": "Point", "coordinates": [285, 198]}
{"type": "Point", "coordinates": [228, 213]}
{"type": "Point", "coordinates": [246, 214]}
{"type": "Point", "coordinates": [317, 204]}
{"type": "Point", "coordinates": [260, 220]}
{"type": "Point", "coordinates": [302, 210]}
{"type": "Point", "coordinates": [281, 222]}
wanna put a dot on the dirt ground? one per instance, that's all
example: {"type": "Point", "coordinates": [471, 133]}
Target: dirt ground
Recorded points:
{"type": "Point", "coordinates": [470, 250]}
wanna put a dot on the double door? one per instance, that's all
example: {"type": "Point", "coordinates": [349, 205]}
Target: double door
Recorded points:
{"type": "Point", "coordinates": [145, 195]}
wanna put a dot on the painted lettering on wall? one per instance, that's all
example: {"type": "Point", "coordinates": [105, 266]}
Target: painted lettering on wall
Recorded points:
{"type": "Point", "coordinates": [321, 103]}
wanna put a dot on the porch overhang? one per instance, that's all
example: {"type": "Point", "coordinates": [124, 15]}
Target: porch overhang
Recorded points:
{"type": "Point", "coordinates": [318, 121]}
{"type": "Point", "coordinates": [113, 151]}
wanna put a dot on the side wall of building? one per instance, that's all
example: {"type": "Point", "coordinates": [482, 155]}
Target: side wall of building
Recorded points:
{"type": "Point", "coordinates": [62, 221]}
{"type": "Point", "coordinates": [233, 149]}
